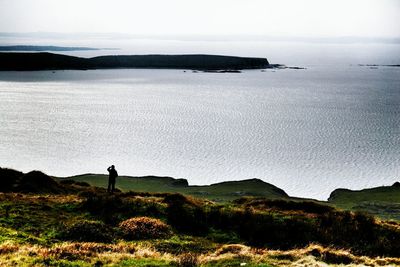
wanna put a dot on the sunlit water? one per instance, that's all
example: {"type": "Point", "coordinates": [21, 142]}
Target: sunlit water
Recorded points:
{"type": "Point", "coordinates": [306, 131]}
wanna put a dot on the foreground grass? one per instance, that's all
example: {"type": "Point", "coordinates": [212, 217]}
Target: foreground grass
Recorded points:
{"type": "Point", "coordinates": [31, 227]}
{"type": "Point", "coordinates": [132, 254]}
{"type": "Point", "coordinates": [46, 222]}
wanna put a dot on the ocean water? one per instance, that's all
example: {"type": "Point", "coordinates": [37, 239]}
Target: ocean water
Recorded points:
{"type": "Point", "coordinates": [306, 131]}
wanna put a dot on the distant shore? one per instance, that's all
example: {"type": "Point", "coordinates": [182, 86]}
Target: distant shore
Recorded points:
{"type": "Point", "coordinates": [43, 48]}
{"type": "Point", "coordinates": [50, 61]}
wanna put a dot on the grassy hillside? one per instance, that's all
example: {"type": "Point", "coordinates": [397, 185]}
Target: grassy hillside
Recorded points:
{"type": "Point", "coordinates": [216, 192]}
{"type": "Point", "coordinates": [45, 222]}
{"type": "Point", "coordinates": [381, 201]}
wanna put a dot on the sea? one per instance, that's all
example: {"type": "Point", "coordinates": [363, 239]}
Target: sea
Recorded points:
{"type": "Point", "coordinates": [333, 124]}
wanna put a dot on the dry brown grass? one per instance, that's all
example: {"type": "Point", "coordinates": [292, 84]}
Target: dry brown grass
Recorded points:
{"type": "Point", "coordinates": [108, 254]}
{"type": "Point", "coordinates": [73, 251]}
{"type": "Point", "coordinates": [145, 228]}
{"type": "Point", "coordinates": [8, 247]}
{"type": "Point", "coordinates": [391, 224]}
{"type": "Point", "coordinates": [113, 254]}
{"type": "Point", "coordinates": [313, 255]}
{"type": "Point", "coordinates": [233, 249]}
{"type": "Point", "coordinates": [40, 199]}
{"type": "Point", "coordinates": [188, 260]}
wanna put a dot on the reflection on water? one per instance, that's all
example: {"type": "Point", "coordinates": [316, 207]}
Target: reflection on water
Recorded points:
{"type": "Point", "coordinates": [306, 131]}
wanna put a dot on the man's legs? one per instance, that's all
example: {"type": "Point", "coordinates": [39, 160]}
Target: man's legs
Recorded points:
{"type": "Point", "coordinates": [109, 185]}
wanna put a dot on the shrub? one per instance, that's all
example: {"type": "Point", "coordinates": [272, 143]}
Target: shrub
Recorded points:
{"type": "Point", "coordinates": [261, 229]}
{"type": "Point", "coordinates": [8, 178]}
{"type": "Point", "coordinates": [115, 208]}
{"type": "Point", "coordinates": [186, 215]}
{"type": "Point", "coordinates": [106, 207]}
{"type": "Point", "coordinates": [88, 231]}
{"type": "Point", "coordinates": [144, 228]}
{"type": "Point", "coordinates": [38, 182]}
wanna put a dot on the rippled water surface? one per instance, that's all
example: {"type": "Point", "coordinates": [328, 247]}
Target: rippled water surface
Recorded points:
{"type": "Point", "coordinates": [306, 131]}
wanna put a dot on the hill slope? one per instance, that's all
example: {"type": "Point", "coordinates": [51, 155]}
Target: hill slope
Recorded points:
{"type": "Point", "coordinates": [45, 222]}
{"type": "Point", "coordinates": [383, 201]}
{"type": "Point", "coordinates": [219, 192]}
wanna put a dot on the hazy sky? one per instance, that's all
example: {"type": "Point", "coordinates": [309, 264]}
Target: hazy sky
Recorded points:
{"type": "Point", "coordinates": [369, 18]}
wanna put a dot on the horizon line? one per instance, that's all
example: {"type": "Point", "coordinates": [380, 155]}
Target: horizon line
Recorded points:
{"type": "Point", "coordinates": [208, 37]}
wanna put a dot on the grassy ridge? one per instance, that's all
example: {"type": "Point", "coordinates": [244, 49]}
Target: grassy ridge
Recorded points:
{"type": "Point", "coordinates": [225, 191]}
{"type": "Point", "coordinates": [381, 201]}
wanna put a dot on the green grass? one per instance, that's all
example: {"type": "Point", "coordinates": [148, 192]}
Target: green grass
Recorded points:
{"type": "Point", "coordinates": [235, 263]}
{"type": "Point", "coordinates": [144, 263]}
{"type": "Point", "coordinates": [383, 201]}
{"type": "Point", "coordinates": [30, 219]}
{"type": "Point", "coordinates": [220, 192]}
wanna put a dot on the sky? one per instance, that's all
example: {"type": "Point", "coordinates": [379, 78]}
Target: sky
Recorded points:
{"type": "Point", "coordinates": [312, 18]}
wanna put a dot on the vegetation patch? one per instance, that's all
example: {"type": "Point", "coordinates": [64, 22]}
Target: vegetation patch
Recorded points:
{"type": "Point", "coordinates": [85, 230]}
{"type": "Point", "coordinates": [8, 247]}
{"type": "Point", "coordinates": [144, 228]}
{"type": "Point", "coordinates": [188, 260]}
{"type": "Point", "coordinates": [233, 249]}
{"type": "Point", "coordinates": [185, 244]}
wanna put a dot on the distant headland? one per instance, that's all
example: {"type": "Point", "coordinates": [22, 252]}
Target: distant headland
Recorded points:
{"type": "Point", "coordinates": [37, 48]}
{"type": "Point", "coordinates": [49, 61]}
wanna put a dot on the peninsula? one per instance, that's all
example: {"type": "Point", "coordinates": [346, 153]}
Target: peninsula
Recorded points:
{"type": "Point", "coordinates": [50, 61]}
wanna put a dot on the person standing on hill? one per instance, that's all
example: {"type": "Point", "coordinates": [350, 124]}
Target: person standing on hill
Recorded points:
{"type": "Point", "coordinates": [112, 176]}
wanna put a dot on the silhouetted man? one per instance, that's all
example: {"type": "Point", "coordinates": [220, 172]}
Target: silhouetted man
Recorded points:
{"type": "Point", "coordinates": [112, 176]}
